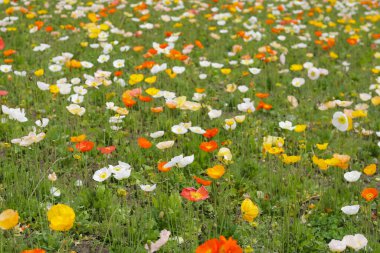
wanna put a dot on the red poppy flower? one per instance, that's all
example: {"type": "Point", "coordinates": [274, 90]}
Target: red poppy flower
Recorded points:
{"type": "Point", "coordinates": [208, 146]}
{"type": "Point", "coordinates": [161, 168]}
{"type": "Point", "coordinates": [144, 143]}
{"type": "Point", "coordinates": [195, 195]}
{"type": "Point", "coordinates": [106, 150]}
{"type": "Point", "coordinates": [2, 44]}
{"type": "Point", "coordinates": [84, 146]}
{"type": "Point", "coordinates": [262, 95]}
{"type": "Point", "coordinates": [145, 98]}
{"type": "Point", "coordinates": [202, 181]}
{"type": "Point", "coordinates": [211, 133]}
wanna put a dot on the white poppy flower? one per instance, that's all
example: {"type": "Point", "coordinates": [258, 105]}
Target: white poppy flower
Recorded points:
{"type": "Point", "coordinates": [147, 187]}
{"type": "Point", "coordinates": [179, 129]}
{"type": "Point", "coordinates": [337, 246]}
{"type": "Point", "coordinates": [230, 124]}
{"type": "Point", "coordinates": [243, 88]}
{"type": "Point", "coordinates": [42, 122]}
{"type": "Point", "coordinates": [298, 82]}
{"type": "Point", "coordinates": [55, 192]}
{"type": "Point", "coordinates": [5, 68]}
{"type": "Point", "coordinates": [119, 63]}
{"type": "Point", "coordinates": [356, 242]}
{"type": "Point", "coordinates": [213, 114]}
{"type": "Point", "coordinates": [365, 96]}
{"type": "Point", "coordinates": [101, 174]}
{"type": "Point", "coordinates": [103, 58]}
{"type": "Point", "coordinates": [313, 73]}
{"type": "Point", "coordinates": [55, 68]}
{"type": "Point", "coordinates": [350, 210]}
{"type": "Point", "coordinates": [352, 176]}
{"type": "Point", "coordinates": [14, 113]}
{"type": "Point", "coordinates": [254, 71]}
{"type": "Point", "coordinates": [179, 70]}
{"type": "Point", "coordinates": [246, 106]}
{"type": "Point", "coordinates": [286, 125]}
{"type": "Point", "coordinates": [197, 130]}
{"type": "Point", "coordinates": [86, 64]}
{"type": "Point", "coordinates": [28, 140]}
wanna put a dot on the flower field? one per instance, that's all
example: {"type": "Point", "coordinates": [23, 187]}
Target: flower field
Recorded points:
{"type": "Point", "coordinates": [206, 126]}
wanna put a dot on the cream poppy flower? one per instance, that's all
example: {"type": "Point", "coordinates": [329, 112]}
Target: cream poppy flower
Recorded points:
{"type": "Point", "coordinates": [313, 73]}
{"type": "Point", "coordinates": [165, 144]}
{"type": "Point", "coordinates": [340, 121]}
{"type": "Point", "coordinates": [197, 130]}
{"type": "Point", "coordinates": [230, 124]}
{"type": "Point", "coordinates": [157, 134]}
{"type": "Point", "coordinates": [118, 63]}
{"type": "Point", "coordinates": [286, 125]}
{"type": "Point", "coordinates": [76, 109]}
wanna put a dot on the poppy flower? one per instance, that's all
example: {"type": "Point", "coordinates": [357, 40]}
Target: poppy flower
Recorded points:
{"type": "Point", "coordinates": [211, 132]}
{"type": "Point", "coordinates": [3, 93]}
{"type": "Point", "coordinates": [33, 251]}
{"type": "Point", "coordinates": [208, 146]}
{"type": "Point", "coordinates": [2, 44]}
{"type": "Point", "coordinates": [217, 246]}
{"type": "Point", "coordinates": [106, 150]}
{"type": "Point", "coordinates": [157, 109]}
{"type": "Point", "coordinates": [195, 195]}
{"type": "Point", "coordinates": [216, 172]}
{"type": "Point", "coordinates": [145, 98]}
{"type": "Point", "coordinates": [61, 217]}
{"type": "Point", "coordinates": [144, 143]}
{"type": "Point", "coordinates": [262, 95]}
{"type": "Point", "coordinates": [202, 181]}
{"type": "Point", "coordinates": [78, 138]}
{"type": "Point", "coordinates": [161, 167]}
{"type": "Point", "coordinates": [8, 219]}
{"type": "Point", "coordinates": [370, 194]}
{"type": "Point", "coordinates": [249, 210]}
{"type": "Point", "coordinates": [84, 146]}
{"type": "Point", "coordinates": [370, 170]}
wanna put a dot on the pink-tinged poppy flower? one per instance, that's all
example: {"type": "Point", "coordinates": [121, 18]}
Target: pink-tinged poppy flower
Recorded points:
{"type": "Point", "coordinates": [106, 150]}
{"type": "Point", "coordinates": [195, 195]}
{"type": "Point", "coordinates": [3, 93]}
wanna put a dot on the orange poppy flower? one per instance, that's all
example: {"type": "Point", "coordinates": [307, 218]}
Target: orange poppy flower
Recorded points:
{"type": "Point", "coordinates": [33, 251]}
{"type": "Point", "coordinates": [161, 168]}
{"type": "Point", "coordinates": [211, 132]}
{"type": "Point", "coordinates": [157, 109]}
{"type": "Point", "coordinates": [49, 29]}
{"type": "Point", "coordinates": [352, 41]}
{"type": "Point", "coordinates": [208, 146]}
{"type": "Point", "coordinates": [106, 150]}
{"type": "Point", "coordinates": [262, 95]}
{"type": "Point", "coordinates": [8, 60]}
{"type": "Point", "coordinates": [199, 44]}
{"type": "Point", "coordinates": [195, 195]}
{"type": "Point", "coordinates": [216, 172]}
{"type": "Point", "coordinates": [84, 146]}
{"type": "Point", "coordinates": [218, 246]}
{"type": "Point", "coordinates": [118, 73]}
{"type": "Point", "coordinates": [370, 194]}
{"type": "Point", "coordinates": [202, 181]}
{"type": "Point", "coordinates": [144, 143]}
{"type": "Point", "coordinates": [145, 98]}
{"type": "Point", "coordinates": [9, 52]}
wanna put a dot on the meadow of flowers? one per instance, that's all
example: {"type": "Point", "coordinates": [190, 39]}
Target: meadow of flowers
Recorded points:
{"type": "Point", "coordinates": [202, 126]}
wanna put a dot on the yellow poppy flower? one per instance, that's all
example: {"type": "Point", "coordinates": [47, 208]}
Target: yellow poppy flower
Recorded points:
{"type": "Point", "coordinates": [249, 210]}
{"type": "Point", "coordinates": [61, 217]}
{"type": "Point", "coordinates": [8, 219]}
